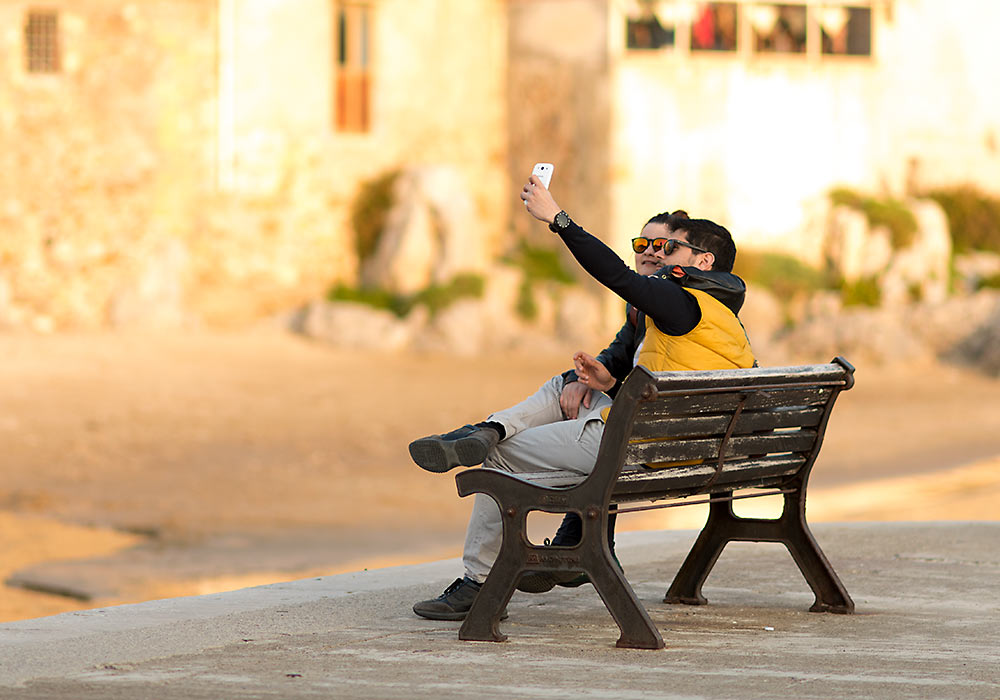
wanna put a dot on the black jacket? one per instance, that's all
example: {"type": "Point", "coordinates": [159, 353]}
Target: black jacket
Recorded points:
{"type": "Point", "coordinates": [619, 356]}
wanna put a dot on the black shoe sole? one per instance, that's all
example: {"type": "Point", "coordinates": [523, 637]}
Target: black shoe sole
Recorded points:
{"type": "Point", "coordinates": [543, 582]}
{"type": "Point", "coordinates": [437, 455]}
{"type": "Point", "coordinates": [536, 583]}
{"type": "Point", "coordinates": [449, 616]}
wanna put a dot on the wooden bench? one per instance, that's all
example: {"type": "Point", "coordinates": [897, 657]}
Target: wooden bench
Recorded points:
{"type": "Point", "coordinates": [756, 431]}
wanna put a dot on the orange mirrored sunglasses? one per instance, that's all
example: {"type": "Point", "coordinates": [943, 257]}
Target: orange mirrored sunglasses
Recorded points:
{"type": "Point", "coordinates": [669, 245]}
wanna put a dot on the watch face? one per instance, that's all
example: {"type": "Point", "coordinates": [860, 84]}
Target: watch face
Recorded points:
{"type": "Point", "coordinates": [562, 219]}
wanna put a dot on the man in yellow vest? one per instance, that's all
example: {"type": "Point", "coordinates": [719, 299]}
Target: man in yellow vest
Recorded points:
{"type": "Point", "coordinates": [687, 320]}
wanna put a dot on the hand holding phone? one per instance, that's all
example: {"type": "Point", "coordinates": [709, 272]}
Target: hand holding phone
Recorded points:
{"type": "Point", "coordinates": [543, 171]}
{"type": "Point", "coordinates": [542, 206]}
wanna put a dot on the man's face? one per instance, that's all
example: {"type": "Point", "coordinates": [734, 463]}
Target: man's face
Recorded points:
{"type": "Point", "coordinates": [649, 261]}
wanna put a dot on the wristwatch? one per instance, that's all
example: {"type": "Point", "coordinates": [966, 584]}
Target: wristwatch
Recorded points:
{"type": "Point", "coordinates": [560, 223]}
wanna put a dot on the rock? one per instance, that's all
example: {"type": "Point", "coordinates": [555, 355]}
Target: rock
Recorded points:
{"type": "Point", "coordinates": [409, 246]}
{"type": "Point", "coordinates": [431, 234]}
{"type": "Point", "coordinates": [943, 326]}
{"type": "Point", "coordinates": [358, 326]}
{"type": "Point", "coordinates": [461, 328]}
{"type": "Point", "coordinates": [579, 319]}
{"type": "Point", "coordinates": [981, 348]}
{"type": "Point", "coordinates": [921, 270]}
{"type": "Point", "coordinates": [873, 336]}
{"type": "Point", "coordinates": [762, 315]}
{"type": "Point", "coordinates": [973, 267]}
{"type": "Point", "coordinates": [854, 250]}
{"type": "Point", "coordinates": [463, 248]}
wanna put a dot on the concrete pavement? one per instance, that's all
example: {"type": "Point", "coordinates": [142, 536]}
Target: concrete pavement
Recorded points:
{"type": "Point", "coordinates": [927, 626]}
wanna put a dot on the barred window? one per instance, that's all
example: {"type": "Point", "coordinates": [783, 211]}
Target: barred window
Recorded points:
{"type": "Point", "coordinates": [646, 30]}
{"type": "Point", "coordinates": [779, 28]}
{"type": "Point", "coordinates": [846, 30]}
{"type": "Point", "coordinates": [815, 28]}
{"type": "Point", "coordinates": [714, 27]}
{"type": "Point", "coordinates": [352, 92]}
{"type": "Point", "coordinates": [41, 42]}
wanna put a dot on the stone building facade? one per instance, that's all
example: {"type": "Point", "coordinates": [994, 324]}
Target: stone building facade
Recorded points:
{"type": "Point", "coordinates": [183, 161]}
{"type": "Point", "coordinates": [186, 161]}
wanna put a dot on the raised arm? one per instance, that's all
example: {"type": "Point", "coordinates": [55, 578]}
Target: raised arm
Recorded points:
{"type": "Point", "coordinates": [673, 310]}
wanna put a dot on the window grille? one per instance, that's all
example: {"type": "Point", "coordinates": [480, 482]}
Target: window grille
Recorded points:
{"type": "Point", "coordinates": [41, 42]}
{"type": "Point", "coordinates": [352, 69]}
{"type": "Point", "coordinates": [817, 29]}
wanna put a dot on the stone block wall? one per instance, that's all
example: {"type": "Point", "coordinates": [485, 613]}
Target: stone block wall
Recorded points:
{"type": "Point", "coordinates": [103, 162]}
{"type": "Point", "coordinates": [183, 167]}
{"type": "Point", "coordinates": [559, 93]}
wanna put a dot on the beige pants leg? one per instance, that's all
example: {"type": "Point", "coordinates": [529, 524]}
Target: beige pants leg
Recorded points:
{"type": "Point", "coordinates": [559, 445]}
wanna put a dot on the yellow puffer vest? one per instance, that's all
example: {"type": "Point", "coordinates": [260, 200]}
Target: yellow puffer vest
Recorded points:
{"type": "Point", "coordinates": [717, 342]}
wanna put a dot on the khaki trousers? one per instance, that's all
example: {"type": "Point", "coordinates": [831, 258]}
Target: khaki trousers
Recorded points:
{"type": "Point", "coordinates": [538, 439]}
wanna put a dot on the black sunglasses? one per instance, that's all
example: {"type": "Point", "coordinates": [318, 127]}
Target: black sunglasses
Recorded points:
{"type": "Point", "coordinates": [669, 245]}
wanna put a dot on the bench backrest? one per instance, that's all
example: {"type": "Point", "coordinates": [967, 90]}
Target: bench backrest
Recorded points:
{"type": "Point", "coordinates": [680, 433]}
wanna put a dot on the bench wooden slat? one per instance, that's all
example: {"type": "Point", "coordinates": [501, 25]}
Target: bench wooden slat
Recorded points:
{"type": "Point", "coordinates": [680, 450]}
{"type": "Point", "coordinates": [635, 485]}
{"type": "Point", "coordinates": [700, 380]}
{"type": "Point", "coordinates": [690, 404]}
{"type": "Point", "coordinates": [748, 422]}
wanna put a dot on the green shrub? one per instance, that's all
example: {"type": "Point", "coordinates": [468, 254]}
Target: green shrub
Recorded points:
{"type": "Point", "coordinates": [526, 306]}
{"type": "Point", "coordinates": [888, 212]}
{"type": "Point", "coordinates": [540, 264]}
{"type": "Point", "coordinates": [435, 297]}
{"type": "Point", "coordinates": [440, 296]}
{"type": "Point", "coordinates": [369, 212]}
{"type": "Point", "coordinates": [973, 217]}
{"type": "Point", "coordinates": [784, 275]}
{"type": "Point", "coordinates": [991, 282]}
{"type": "Point", "coordinates": [863, 292]}
{"type": "Point", "coordinates": [376, 298]}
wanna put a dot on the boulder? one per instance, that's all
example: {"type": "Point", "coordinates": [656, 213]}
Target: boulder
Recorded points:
{"type": "Point", "coordinates": [862, 335]}
{"type": "Point", "coordinates": [579, 319]}
{"type": "Point", "coordinates": [921, 270]}
{"type": "Point", "coordinates": [973, 267]}
{"type": "Point", "coordinates": [855, 250]}
{"type": "Point", "coordinates": [762, 315]}
{"type": "Point", "coordinates": [431, 234]}
{"type": "Point", "coordinates": [358, 326]}
{"type": "Point", "coordinates": [981, 349]}
{"type": "Point", "coordinates": [462, 328]}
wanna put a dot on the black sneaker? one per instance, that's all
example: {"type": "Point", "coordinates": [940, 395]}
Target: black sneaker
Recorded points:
{"type": "Point", "coordinates": [544, 581]}
{"type": "Point", "coordinates": [466, 447]}
{"type": "Point", "coordinates": [454, 603]}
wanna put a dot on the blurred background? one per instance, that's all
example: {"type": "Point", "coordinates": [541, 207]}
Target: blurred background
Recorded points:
{"type": "Point", "coordinates": [249, 249]}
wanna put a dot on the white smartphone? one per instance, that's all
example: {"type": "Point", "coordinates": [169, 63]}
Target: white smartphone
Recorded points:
{"type": "Point", "coordinates": [543, 171]}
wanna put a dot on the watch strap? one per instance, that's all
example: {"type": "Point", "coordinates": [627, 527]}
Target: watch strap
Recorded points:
{"type": "Point", "coordinates": [560, 223]}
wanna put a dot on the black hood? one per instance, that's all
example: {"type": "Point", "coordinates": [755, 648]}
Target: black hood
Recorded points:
{"type": "Point", "coordinates": [724, 286]}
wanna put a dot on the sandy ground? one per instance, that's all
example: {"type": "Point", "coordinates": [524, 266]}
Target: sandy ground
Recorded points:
{"type": "Point", "coordinates": [140, 466]}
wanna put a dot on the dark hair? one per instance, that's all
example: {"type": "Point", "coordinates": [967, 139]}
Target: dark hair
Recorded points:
{"type": "Point", "coordinates": [669, 218]}
{"type": "Point", "coordinates": [710, 236]}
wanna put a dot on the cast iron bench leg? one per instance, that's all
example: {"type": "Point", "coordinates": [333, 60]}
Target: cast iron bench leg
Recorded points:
{"type": "Point", "coordinates": [831, 595]}
{"type": "Point", "coordinates": [686, 586]}
{"type": "Point", "coordinates": [483, 621]}
{"type": "Point", "coordinates": [790, 529]}
{"type": "Point", "coordinates": [637, 629]}
{"type": "Point", "coordinates": [482, 624]}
